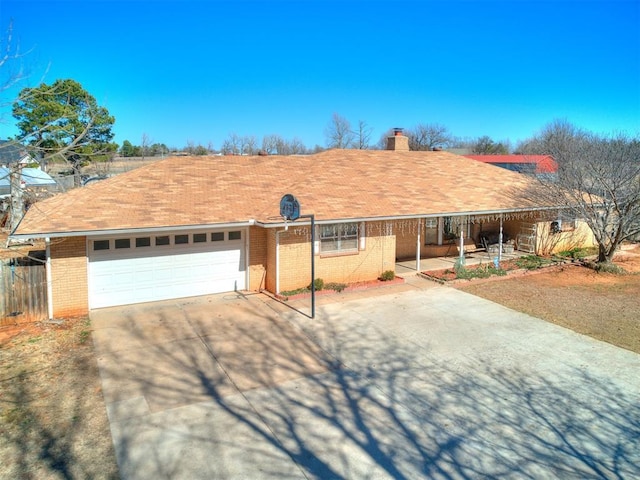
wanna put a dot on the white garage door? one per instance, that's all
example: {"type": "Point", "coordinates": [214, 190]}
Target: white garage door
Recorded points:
{"type": "Point", "coordinates": [146, 268]}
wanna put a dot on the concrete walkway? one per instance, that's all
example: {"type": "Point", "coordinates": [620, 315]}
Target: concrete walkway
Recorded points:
{"type": "Point", "coordinates": [410, 381]}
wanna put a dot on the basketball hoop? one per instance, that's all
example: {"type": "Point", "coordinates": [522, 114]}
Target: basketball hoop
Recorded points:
{"type": "Point", "coordinates": [289, 208]}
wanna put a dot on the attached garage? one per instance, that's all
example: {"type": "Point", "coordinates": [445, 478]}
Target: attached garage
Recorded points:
{"type": "Point", "coordinates": [146, 268]}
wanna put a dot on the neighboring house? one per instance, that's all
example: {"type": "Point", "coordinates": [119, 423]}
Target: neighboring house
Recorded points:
{"type": "Point", "coordinates": [530, 164]}
{"type": "Point", "coordinates": [12, 153]}
{"type": "Point", "coordinates": [183, 227]}
{"type": "Point", "coordinates": [32, 178]}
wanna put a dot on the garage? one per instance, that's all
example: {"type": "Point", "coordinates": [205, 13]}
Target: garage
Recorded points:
{"type": "Point", "coordinates": [146, 268]}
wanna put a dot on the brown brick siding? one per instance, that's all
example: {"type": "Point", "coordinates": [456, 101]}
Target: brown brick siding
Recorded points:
{"type": "Point", "coordinates": [70, 292]}
{"type": "Point", "coordinates": [257, 258]}
{"type": "Point", "coordinates": [271, 260]}
{"type": "Point", "coordinates": [295, 262]}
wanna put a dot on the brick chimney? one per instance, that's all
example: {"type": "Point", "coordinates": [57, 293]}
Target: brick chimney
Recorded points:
{"type": "Point", "coordinates": [398, 141]}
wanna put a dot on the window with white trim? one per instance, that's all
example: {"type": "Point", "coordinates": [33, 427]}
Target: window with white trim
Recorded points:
{"type": "Point", "coordinates": [339, 237]}
{"type": "Point", "coordinates": [431, 231]}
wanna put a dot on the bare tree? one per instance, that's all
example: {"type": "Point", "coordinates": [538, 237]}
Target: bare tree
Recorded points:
{"type": "Point", "coordinates": [270, 143]}
{"type": "Point", "coordinates": [486, 146]}
{"type": "Point", "coordinates": [297, 147]}
{"type": "Point", "coordinates": [145, 143]}
{"type": "Point", "coordinates": [248, 145]}
{"type": "Point", "coordinates": [363, 135]}
{"type": "Point", "coordinates": [12, 68]}
{"type": "Point", "coordinates": [338, 132]}
{"type": "Point", "coordinates": [598, 181]}
{"type": "Point", "coordinates": [274, 144]}
{"type": "Point", "coordinates": [232, 145]}
{"type": "Point", "coordinates": [428, 136]}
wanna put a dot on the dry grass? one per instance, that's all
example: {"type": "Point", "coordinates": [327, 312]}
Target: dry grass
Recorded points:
{"type": "Point", "coordinates": [53, 422]}
{"type": "Point", "coordinates": [604, 306]}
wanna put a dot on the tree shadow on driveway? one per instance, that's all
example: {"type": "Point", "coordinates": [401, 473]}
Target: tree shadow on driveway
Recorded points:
{"type": "Point", "coordinates": [231, 388]}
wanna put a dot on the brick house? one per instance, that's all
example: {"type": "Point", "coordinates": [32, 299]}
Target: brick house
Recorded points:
{"type": "Point", "coordinates": [188, 226]}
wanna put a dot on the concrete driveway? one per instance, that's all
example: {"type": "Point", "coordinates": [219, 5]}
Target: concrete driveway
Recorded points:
{"type": "Point", "coordinates": [413, 381]}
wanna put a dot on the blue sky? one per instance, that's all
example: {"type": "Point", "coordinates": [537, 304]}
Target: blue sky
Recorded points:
{"type": "Point", "coordinates": [197, 71]}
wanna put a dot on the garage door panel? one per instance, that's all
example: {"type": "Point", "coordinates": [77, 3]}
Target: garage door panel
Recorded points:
{"type": "Point", "coordinates": [151, 274]}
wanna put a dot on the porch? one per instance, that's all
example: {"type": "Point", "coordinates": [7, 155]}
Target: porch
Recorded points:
{"type": "Point", "coordinates": [409, 267]}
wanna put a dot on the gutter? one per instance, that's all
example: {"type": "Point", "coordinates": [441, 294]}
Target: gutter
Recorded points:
{"type": "Point", "coordinates": [405, 217]}
{"type": "Point", "coordinates": [129, 231]}
{"type": "Point", "coordinates": [253, 222]}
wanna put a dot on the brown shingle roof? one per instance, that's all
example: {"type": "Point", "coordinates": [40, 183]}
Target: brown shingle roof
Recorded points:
{"type": "Point", "coordinates": [336, 184]}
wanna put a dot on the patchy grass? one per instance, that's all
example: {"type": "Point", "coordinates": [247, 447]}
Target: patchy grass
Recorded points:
{"type": "Point", "coordinates": [599, 304]}
{"type": "Point", "coordinates": [53, 421]}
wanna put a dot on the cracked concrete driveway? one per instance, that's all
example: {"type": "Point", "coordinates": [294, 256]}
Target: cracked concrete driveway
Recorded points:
{"type": "Point", "coordinates": [414, 381]}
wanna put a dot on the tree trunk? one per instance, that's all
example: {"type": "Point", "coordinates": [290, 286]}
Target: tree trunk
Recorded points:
{"type": "Point", "coordinates": [602, 254]}
{"type": "Point", "coordinates": [17, 200]}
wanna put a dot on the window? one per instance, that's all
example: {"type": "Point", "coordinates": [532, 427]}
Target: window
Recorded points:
{"type": "Point", "coordinates": [339, 237]}
{"type": "Point", "coordinates": [449, 228]}
{"type": "Point", "coordinates": [431, 223]}
{"type": "Point", "coordinates": [100, 245]}
{"type": "Point", "coordinates": [123, 243]}
{"type": "Point", "coordinates": [181, 239]}
{"type": "Point", "coordinates": [563, 224]}
{"type": "Point", "coordinates": [236, 235]}
{"type": "Point", "coordinates": [164, 240]}
{"type": "Point", "coordinates": [199, 237]}
{"type": "Point", "coordinates": [143, 242]}
{"type": "Point", "coordinates": [217, 236]}
{"type": "Point", "coordinates": [431, 231]}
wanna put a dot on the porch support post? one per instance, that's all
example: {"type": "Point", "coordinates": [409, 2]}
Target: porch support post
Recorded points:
{"type": "Point", "coordinates": [500, 241]}
{"type": "Point", "coordinates": [461, 245]}
{"type": "Point", "coordinates": [47, 272]}
{"type": "Point", "coordinates": [418, 245]}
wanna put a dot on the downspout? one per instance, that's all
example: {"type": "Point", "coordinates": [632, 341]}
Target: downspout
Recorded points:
{"type": "Point", "coordinates": [247, 260]}
{"type": "Point", "coordinates": [278, 232]}
{"type": "Point", "coordinates": [47, 269]}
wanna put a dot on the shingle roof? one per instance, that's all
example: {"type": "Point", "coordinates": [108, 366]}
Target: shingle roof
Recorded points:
{"type": "Point", "coordinates": [333, 185]}
{"type": "Point", "coordinates": [11, 152]}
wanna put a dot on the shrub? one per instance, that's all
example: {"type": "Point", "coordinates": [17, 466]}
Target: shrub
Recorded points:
{"type": "Point", "coordinates": [531, 262]}
{"type": "Point", "coordinates": [482, 271]}
{"type": "Point", "coordinates": [578, 252]}
{"type": "Point", "coordinates": [608, 267]}
{"type": "Point", "coordinates": [318, 283]}
{"type": "Point", "coordinates": [291, 293]}
{"type": "Point", "coordinates": [338, 287]}
{"type": "Point", "coordinates": [387, 275]}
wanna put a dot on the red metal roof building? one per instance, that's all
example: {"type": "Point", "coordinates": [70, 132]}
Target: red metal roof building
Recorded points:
{"type": "Point", "coordinates": [533, 164]}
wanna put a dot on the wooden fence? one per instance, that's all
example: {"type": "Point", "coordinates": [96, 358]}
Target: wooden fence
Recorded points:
{"type": "Point", "coordinates": [23, 291]}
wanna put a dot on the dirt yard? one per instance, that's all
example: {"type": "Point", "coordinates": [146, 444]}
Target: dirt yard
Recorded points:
{"type": "Point", "coordinates": [602, 305]}
{"type": "Point", "coordinates": [53, 422]}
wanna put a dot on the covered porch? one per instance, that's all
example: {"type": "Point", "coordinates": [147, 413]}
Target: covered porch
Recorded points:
{"type": "Point", "coordinates": [436, 243]}
{"type": "Point", "coordinates": [411, 267]}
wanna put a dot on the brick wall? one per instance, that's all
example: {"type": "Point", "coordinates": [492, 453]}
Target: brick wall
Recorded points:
{"type": "Point", "coordinates": [69, 277]}
{"type": "Point", "coordinates": [257, 258]}
{"type": "Point", "coordinates": [377, 256]}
